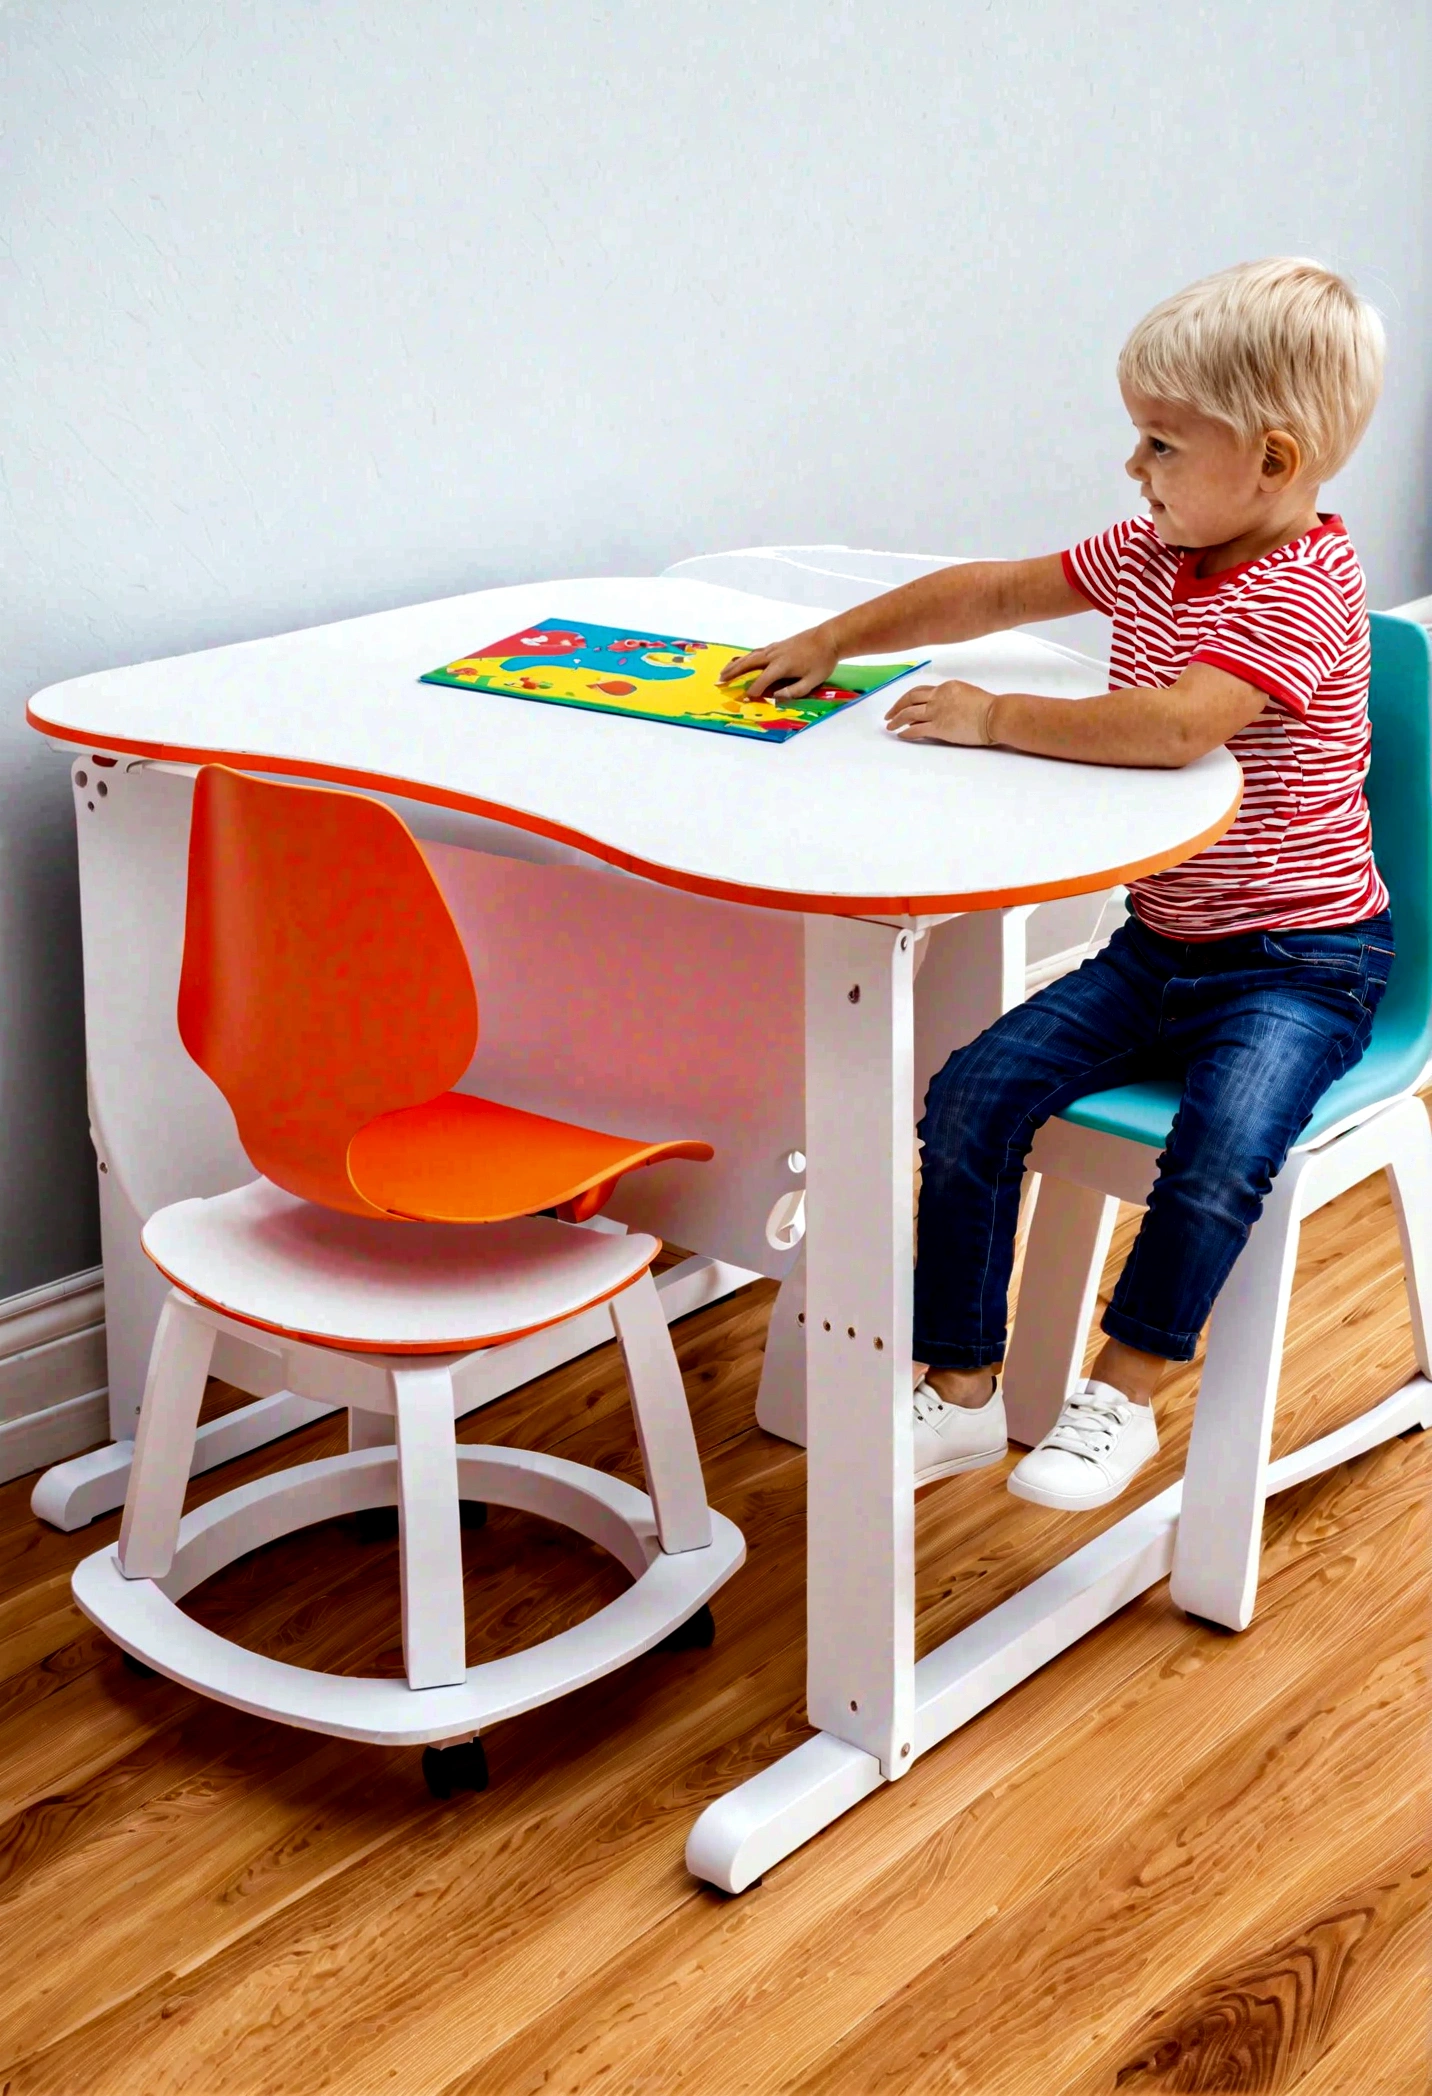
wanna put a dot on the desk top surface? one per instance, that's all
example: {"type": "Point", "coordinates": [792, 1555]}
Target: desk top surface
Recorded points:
{"type": "Point", "coordinates": [842, 819]}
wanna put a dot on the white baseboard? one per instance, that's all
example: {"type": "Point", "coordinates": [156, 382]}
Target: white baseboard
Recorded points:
{"type": "Point", "coordinates": [53, 1395]}
{"type": "Point", "coordinates": [53, 1435]}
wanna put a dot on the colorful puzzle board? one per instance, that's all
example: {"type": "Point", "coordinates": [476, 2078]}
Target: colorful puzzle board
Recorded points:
{"type": "Point", "coordinates": [651, 676]}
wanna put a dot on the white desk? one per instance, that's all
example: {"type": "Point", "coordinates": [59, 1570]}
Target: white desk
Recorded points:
{"type": "Point", "coordinates": [756, 985]}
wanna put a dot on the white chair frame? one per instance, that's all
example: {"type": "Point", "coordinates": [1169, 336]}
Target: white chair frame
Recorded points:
{"type": "Point", "coordinates": [1084, 1176]}
{"type": "Point", "coordinates": [403, 1450]}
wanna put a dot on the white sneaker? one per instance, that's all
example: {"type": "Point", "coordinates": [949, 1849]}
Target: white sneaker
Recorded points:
{"type": "Point", "coordinates": [951, 1438]}
{"type": "Point", "coordinates": [1100, 1441]}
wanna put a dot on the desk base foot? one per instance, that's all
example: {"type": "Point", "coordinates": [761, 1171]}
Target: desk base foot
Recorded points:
{"type": "Point", "coordinates": [739, 1837]}
{"type": "Point", "coordinates": [765, 1819]}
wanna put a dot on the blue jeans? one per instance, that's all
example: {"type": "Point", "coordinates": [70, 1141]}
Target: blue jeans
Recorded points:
{"type": "Point", "coordinates": [1256, 1027]}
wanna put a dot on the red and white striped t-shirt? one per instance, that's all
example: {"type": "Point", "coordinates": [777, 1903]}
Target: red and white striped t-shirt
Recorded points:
{"type": "Point", "coordinates": [1293, 623]}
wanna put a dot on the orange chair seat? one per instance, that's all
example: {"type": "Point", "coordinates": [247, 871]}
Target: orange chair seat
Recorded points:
{"type": "Point", "coordinates": [456, 1159]}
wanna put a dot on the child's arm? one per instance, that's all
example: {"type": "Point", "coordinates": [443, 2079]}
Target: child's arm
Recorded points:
{"type": "Point", "coordinates": [1143, 726]}
{"type": "Point", "coordinates": [978, 596]}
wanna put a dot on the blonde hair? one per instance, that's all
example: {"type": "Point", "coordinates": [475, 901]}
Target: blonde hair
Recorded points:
{"type": "Point", "coordinates": [1281, 344]}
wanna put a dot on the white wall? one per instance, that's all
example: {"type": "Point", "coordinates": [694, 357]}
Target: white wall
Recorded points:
{"type": "Point", "coordinates": [319, 306]}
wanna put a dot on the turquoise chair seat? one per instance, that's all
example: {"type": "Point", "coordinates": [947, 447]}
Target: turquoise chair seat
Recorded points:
{"type": "Point", "coordinates": [1399, 793]}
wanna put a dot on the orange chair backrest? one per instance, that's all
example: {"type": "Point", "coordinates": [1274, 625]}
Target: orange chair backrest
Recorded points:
{"type": "Point", "coordinates": [324, 981]}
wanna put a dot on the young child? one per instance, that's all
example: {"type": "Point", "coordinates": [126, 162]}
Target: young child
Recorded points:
{"type": "Point", "coordinates": [1252, 971]}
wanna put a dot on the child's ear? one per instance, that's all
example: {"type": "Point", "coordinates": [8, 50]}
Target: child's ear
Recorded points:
{"type": "Point", "coordinates": [1282, 458]}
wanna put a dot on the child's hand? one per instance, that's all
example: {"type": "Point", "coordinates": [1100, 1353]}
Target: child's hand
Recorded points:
{"type": "Point", "coordinates": [789, 669]}
{"type": "Point", "coordinates": [952, 712]}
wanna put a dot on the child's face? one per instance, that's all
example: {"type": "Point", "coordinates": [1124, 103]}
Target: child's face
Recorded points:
{"type": "Point", "coordinates": [1205, 486]}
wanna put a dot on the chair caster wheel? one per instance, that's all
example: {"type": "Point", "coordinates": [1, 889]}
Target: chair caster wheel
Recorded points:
{"type": "Point", "coordinates": [694, 1635]}
{"type": "Point", "coordinates": [137, 1666]}
{"type": "Point", "coordinates": [463, 1767]}
{"type": "Point", "coordinates": [472, 1513]}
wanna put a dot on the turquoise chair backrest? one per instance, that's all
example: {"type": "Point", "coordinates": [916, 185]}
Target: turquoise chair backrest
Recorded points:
{"type": "Point", "coordinates": [1399, 793]}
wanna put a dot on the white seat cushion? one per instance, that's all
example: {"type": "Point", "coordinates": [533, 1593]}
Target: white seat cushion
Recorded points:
{"type": "Point", "coordinates": [269, 1259]}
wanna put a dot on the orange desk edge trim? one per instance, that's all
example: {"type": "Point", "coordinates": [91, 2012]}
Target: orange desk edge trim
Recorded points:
{"type": "Point", "coordinates": [666, 876]}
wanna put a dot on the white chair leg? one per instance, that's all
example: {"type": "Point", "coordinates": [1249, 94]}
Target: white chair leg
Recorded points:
{"type": "Point", "coordinates": [1410, 1174]}
{"type": "Point", "coordinates": [164, 1445]}
{"type": "Point", "coordinates": [1064, 1257]}
{"type": "Point", "coordinates": [1220, 1528]}
{"type": "Point", "coordinates": [371, 1429]}
{"type": "Point", "coordinates": [429, 1536]}
{"type": "Point", "coordinates": [663, 1419]}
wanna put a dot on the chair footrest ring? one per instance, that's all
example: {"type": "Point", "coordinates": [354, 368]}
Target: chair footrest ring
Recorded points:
{"type": "Point", "coordinates": [144, 1618]}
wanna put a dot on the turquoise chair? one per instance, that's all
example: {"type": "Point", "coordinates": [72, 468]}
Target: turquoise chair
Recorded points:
{"type": "Point", "coordinates": [1104, 1149]}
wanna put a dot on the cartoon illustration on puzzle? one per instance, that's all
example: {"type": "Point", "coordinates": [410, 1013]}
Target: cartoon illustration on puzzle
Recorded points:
{"type": "Point", "coordinates": [652, 676]}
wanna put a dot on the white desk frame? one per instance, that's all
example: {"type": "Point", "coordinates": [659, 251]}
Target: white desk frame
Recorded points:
{"type": "Point", "coordinates": [162, 1132]}
{"type": "Point", "coordinates": [972, 847]}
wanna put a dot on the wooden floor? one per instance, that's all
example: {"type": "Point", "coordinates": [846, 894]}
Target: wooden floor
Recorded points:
{"type": "Point", "coordinates": [1175, 1860]}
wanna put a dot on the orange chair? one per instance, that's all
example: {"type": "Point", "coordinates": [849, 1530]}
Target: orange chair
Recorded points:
{"type": "Point", "coordinates": [326, 992]}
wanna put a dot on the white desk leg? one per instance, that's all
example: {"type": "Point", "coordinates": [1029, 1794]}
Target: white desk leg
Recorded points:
{"type": "Point", "coordinates": [134, 1294]}
{"type": "Point", "coordinates": [859, 1250]}
{"type": "Point", "coordinates": [968, 970]}
{"type": "Point", "coordinates": [781, 1399]}
{"type": "Point", "coordinates": [859, 1246]}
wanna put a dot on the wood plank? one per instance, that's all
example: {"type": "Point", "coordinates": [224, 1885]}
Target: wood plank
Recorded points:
{"type": "Point", "coordinates": [1384, 2051]}
{"type": "Point", "coordinates": [929, 1859]}
{"type": "Point", "coordinates": [1026, 1995]}
{"type": "Point", "coordinates": [511, 1968]}
{"type": "Point", "coordinates": [1262, 2016]}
